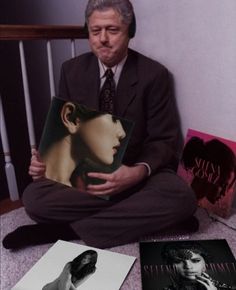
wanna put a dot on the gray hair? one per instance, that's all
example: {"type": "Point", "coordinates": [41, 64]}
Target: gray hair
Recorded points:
{"type": "Point", "coordinates": [123, 7]}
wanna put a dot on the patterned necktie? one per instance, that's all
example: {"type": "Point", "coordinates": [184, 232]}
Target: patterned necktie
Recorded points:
{"type": "Point", "coordinates": [107, 93]}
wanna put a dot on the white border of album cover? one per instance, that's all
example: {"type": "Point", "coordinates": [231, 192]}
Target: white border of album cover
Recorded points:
{"type": "Point", "coordinates": [111, 268]}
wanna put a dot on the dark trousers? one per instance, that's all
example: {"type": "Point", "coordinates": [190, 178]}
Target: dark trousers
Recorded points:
{"type": "Point", "coordinates": [162, 201]}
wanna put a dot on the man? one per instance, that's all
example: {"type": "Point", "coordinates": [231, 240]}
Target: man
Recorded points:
{"type": "Point", "coordinates": [146, 194]}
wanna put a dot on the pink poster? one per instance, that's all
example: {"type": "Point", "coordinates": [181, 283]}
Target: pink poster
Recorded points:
{"type": "Point", "coordinates": [208, 164]}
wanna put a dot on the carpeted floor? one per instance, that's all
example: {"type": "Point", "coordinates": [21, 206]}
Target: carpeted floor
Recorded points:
{"type": "Point", "coordinates": [14, 264]}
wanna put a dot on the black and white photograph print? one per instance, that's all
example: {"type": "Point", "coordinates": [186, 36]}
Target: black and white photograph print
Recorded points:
{"type": "Point", "coordinates": [69, 266]}
{"type": "Point", "coordinates": [187, 265]}
{"type": "Point", "coordinates": [75, 272]}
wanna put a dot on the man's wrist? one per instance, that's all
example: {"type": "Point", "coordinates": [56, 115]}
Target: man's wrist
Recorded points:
{"type": "Point", "coordinates": [148, 168]}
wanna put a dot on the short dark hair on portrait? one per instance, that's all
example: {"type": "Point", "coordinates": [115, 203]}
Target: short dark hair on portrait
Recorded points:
{"type": "Point", "coordinates": [174, 252]}
{"type": "Point", "coordinates": [84, 113]}
{"type": "Point", "coordinates": [55, 129]}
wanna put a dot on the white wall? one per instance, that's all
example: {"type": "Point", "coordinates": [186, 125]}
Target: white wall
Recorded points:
{"type": "Point", "coordinates": [196, 40]}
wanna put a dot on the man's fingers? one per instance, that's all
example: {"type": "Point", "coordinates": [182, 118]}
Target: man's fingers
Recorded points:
{"type": "Point", "coordinates": [33, 151]}
{"type": "Point", "coordinates": [98, 193]}
{"type": "Point", "coordinates": [37, 169]}
{"type": "Point", "coordinates": [95, 191]}
{"type": "Point", "coordinates": [35, 155]}
{"type": "Point", "coordinates": [105, 176]}
{"type": "Point", "coordinates": [101, 189]}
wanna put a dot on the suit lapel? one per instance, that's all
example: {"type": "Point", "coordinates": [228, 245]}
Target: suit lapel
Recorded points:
{"type": "Point", "coordinates": [91, 82]}
{"type": "Point", "coordinates": [126, 89]}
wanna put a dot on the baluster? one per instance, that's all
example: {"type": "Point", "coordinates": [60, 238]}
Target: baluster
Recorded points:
{"type": "Point", "coordinates": [73, 50]}
{"type": "Point", "coordinates": [50, 69]}
{"type": "Point", "coordinates": [9, 168]}
{"type": "Point", "coordinates": [27, 97]}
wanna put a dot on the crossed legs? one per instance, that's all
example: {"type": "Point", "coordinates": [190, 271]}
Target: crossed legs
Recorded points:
{"type": "Point", "coordinates": [164, 200]}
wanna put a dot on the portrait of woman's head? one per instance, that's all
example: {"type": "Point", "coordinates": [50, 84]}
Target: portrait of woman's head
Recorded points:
{"type": "Point", "coordinates": [189, 259]}
{"type": "Point", "coordinates": [194, 265]}
{"type": "Point", "coordinates": [77, 139]}
{"type": "Point", "coordinates": [83, 266]}
{"type": "Point", "coordinates": [75, 273]}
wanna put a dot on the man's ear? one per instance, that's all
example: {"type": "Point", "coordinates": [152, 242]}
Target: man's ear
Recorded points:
{"type": "Point", "coordinates": [68, 119]}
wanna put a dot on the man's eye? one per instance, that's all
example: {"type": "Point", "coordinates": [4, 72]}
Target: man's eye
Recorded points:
{"type": "Point", "coordinates": [95, 31]}
{"type": "Point", "coordinates": [113, 30]}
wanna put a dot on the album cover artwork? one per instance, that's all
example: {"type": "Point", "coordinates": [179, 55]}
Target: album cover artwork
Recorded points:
{"type": "Point", "coordinates": [68, 265]}
{"type": "Point", "coordinates": [187, 265]}
{"type": "Point", "coordinates": [77, 140]}
{"type": "Point", "coordinates": [208, 165]}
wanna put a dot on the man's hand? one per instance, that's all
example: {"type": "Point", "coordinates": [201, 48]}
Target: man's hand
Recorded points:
{"type": "Point", "coordinates": [37, 168]}
{"type": "Point", "coordinates": [121, 179]}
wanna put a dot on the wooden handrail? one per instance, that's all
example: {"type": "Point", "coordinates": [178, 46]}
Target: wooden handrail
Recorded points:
{"type": "Point", "coordinates": [30, 32]}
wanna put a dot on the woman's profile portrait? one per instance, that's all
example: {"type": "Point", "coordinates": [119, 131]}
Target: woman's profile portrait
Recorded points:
{"type": "Point", "coordinates": [77, 140]}
{"type": "Point", "coordinates": [189, 260]}
{"type": "Point", "coordinates": [75, 273]}
{"type": "Point", "coordinates": [213, 166]}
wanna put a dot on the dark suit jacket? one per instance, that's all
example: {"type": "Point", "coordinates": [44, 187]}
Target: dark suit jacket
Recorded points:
{"type": "Point", "coordinates": [144, 95]}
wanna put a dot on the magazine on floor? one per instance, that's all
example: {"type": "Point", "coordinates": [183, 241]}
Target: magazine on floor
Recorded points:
{"type": "Point", "coordinates": [77, 140]}
{"type": "Point", "coordinates": [208, 165]}
{"type": "Point", "coordinates": [187, 265]}
{"type": "Point", "coordinates": [74, 266]}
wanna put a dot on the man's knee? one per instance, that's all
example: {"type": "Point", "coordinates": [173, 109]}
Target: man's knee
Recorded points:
{"type": "Point", "coordinates": [187, 202]}
{"type": "Point", "coordinates": [175, 195]}
{"type": "Point", "coordinates": [35, 205]}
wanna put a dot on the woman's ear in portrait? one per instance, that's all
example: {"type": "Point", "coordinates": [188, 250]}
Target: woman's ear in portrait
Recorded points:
{"type": "Point", "coordinates": [69, 118]}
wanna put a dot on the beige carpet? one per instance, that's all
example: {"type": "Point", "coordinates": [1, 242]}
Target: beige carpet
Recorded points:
{"type": "Point", "coordinates": [14, 264]}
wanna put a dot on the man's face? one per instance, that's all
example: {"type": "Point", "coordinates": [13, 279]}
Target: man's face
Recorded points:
{"type": "Point", "coordinates": [108, 36]}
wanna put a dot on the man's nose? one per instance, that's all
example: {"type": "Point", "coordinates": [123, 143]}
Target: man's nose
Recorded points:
{"type": "Point", "coordinates": [103, 36]}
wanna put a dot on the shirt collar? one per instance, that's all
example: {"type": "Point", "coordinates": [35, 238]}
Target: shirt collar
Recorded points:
{"type": "Point", "coordinates": [116, 69]}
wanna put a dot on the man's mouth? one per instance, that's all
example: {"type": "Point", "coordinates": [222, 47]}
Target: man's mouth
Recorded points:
{"type": "Point", "coordinates": [105, 48]}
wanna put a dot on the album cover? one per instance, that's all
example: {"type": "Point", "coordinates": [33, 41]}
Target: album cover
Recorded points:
{"type": "Point", "coordinates": [208, 164]}
{"type": "Point", "coordinates": [187, 265]}
{"type": "Point", "coordinates": [68, 265]}
{"type": "Point", "coordinates": [77, 140]}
